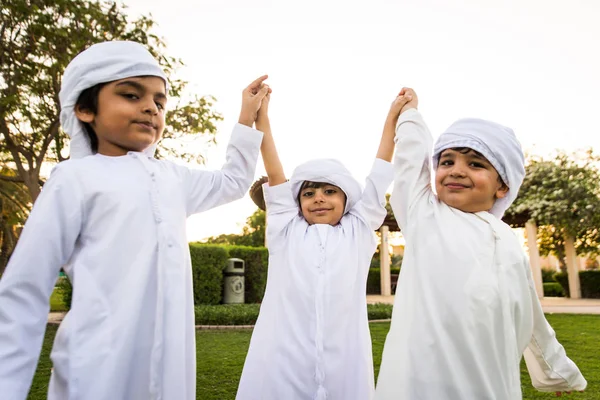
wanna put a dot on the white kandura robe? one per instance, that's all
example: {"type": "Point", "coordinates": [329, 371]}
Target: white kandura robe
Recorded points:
{"type": "Point", "coordinates": [312, 338]}
{"type": "Point", "coordinates": [118, 225]}
{"type": "Point", "coordinates": [466, 307]}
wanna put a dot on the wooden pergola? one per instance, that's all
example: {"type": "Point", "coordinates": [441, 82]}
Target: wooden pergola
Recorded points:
{"type": "Point", "coordinates": [522, 220]}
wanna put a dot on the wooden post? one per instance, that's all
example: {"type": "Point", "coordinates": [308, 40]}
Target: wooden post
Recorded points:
{"type": "Point", "coordinates": [572, 268]}
{"type": "Point", "coordinates": [384, 254]}
{"type": "Point", "coordinates": [534, 257]}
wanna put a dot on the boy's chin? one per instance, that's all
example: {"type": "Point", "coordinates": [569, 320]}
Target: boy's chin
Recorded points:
{"type": "Point", "coordinates": [465, 207]}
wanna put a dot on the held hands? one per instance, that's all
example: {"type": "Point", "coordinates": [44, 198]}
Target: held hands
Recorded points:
{"type": "Point", "coordinates": [252, 99]}
{"type": "Point", "coordinates": [263, 111]}
{"type": "Point", "coordinates": [407, 98]}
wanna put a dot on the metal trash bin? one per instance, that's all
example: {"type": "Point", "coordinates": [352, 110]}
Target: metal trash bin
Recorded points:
{"type": "Point", "coordinates": [234, 281]}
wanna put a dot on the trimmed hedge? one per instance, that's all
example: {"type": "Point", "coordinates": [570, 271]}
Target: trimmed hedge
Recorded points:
{"type": "Point", "coordinates": [374, 280]}
{"type": "Point", "coordinates": [589, 281]}
{"type": "Point", "coordinates": [255, 277]}
{"type": "Point", "coordinates": [548, 275]}
{"type": "Point", "coordinates": [553, 289]}
{"type": "Point", "coordinates": [208, 262]}
{"type": "Point", "coordinates": [246, 314]}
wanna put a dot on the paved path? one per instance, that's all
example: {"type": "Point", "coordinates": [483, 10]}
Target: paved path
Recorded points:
{"type": "Point", "coordinates": [551, 305]}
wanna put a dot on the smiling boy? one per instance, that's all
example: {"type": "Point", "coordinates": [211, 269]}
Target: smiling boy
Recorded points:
{"type": "Point", "coordinates": [466, 309]}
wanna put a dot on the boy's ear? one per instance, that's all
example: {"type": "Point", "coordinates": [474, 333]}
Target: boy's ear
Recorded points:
{"type": "Point", "coordinates": [84, 114]}
{"type": "Point", "coordinates": [502, 191]}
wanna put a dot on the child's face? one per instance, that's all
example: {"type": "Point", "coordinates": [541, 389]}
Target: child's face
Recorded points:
{"type": "Point", "coordinates": [467, 181]}
{"type": "Point", "coordinates": [130, 117]}
{"type": "Point", "coordinates": [322, 205]}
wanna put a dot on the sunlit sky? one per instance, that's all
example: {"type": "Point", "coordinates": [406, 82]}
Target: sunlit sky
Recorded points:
{"type": "Point", "coordinates": [335, 66]}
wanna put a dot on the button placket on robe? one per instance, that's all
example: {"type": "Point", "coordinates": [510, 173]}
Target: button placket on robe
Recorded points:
{"type": "Point", "coordinates": [319, 308]}
{"type": "Point", "coordinates": [157, 350]}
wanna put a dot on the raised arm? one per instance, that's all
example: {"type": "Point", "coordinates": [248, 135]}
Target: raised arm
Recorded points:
{"type": "Point", "coordinates": [371, 207]}
{"type": "Point", "coordinates": [386, 146]}
{"type": "Point", "coordinates": [412, 160]}
{"type": "Point", "coordinates": [209, 189]}
{"type": "Point", "coordinates": [268, 150]}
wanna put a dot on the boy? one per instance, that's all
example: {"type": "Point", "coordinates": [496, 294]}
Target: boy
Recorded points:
{"type": "Point", "coordinates": [114, 217]}
{"type": "Point", "coordinates": [465, 308]}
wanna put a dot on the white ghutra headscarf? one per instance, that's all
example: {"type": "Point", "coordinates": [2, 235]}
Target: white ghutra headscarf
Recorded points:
{"type": "Point", "coordinates": [328, 171]}
{"type": "Point", "coordinates": [495, 142]}
{"type": "Point", "coordinates": [101, 63]}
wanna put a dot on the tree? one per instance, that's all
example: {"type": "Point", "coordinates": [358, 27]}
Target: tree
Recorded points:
{"type": "Point", "coordinates": [38, 38]}
{"type": "Point", "coordinates": [14, 208]}
{"type": "Point", "coordinates": [253, 233]}
{"type": "Point", "coordinates": [563, 197]}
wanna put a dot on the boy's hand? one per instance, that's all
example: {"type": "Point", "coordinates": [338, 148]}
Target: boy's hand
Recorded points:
{"type": "Point", "coordinates": [414, 100]}
{"type": "Point", "coordinates": [407, 98]}
{"type": "Point", "coordinates": [263, 111]}
{"type": "Point", "coordinates": [252, 98]}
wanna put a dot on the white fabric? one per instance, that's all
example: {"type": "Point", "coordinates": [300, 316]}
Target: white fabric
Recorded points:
{"type": "Point", "coordinates": [495, 142]}
{"type": "Point", "coordinates": [312, 339]}
{"type": "Point", "coordinates": [118, 226]}
{"type": "Point", "coordinates": [101, 63]}
{"type": "Point", "coordinates": [466, 307]}
{"type": "Point", "coordinates": [327, 171]}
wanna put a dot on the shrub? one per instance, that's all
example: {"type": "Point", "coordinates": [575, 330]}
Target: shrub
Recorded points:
{"type": "Point", "coordinates": [590, 284]}
{"type": "Point", "coordinates": [589, 281]}
{"type": "Point", "coordinates": [255, 277]}
{"type": "Point", "coordinates": [379, 311]}
{"type": "Point", "coordinates": [548, 275]}
{"type": "Point", "coordinates": [247, 314]}
{"type": "Point", "coordinates": [66, 291]}
{"type": "Point", "coordinates": [226, 314]}
{"type": "Point", "coordinates": [553, 289]}
{"type": "Point", "coordinates": [208, 262]}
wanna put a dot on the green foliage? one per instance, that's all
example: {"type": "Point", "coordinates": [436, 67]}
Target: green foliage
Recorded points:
{"type": "Point", "coordinates": [553, 289]}
{"type": "Point", "coordinates": [253, 233]}
{"type": "Point", "coordinates": [379, 311]}
{"type": "Point", "coordinates": [563, 279]}
{"type": "Point", "coordinates": [256, 266]}
{"type": "Point", "coordinates": [548, 275]}
{"type": "Point", "coordinates": [590, 284]}
{"type": "Point", "coordinates": [208, 262]}
{"type": "Point", "coordinates": [247, 314]}
{"type": "Point", "coordinates": [38, 38]}
{"type": "Point", "coordinates": [14, 208]}
{"type": "Point", "coordinates": [563, 197]}
{"type": "Point", "coordinates": [66, 291]}
{"type": "Point", "coordinates": [374, 279]}
{"type": "Point", "coordinates": [588, 280]}
{"type": "Point", "coordinates": [227, 314]}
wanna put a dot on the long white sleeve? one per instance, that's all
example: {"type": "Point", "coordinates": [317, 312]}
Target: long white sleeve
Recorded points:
{"type": "Point", "coordinates": [209, 189]}
{"type": "Point", "coordinates": [371, 207]}
{"type": "Point", "coordinates": [281, 210]}
{"type": "Point", "coordinates": [46, 243]}
{"type": "Point", "coordinates": [411, 164]}
{"type": "Point", "coordinates": [549, 367]}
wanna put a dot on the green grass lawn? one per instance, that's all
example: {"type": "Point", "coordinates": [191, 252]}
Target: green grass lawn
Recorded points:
{"type": "Point", "coordinates": [221, 353]}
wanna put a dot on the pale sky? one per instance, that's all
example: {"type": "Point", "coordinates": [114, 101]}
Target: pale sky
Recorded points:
{"type": "Point", "coordinates": [335, 67]}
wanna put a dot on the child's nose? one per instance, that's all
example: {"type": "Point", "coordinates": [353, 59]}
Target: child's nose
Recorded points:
{"type": "Point", "coordinates": [457, 170]}
{"type": "Point", "coordinates": [150, 107]}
